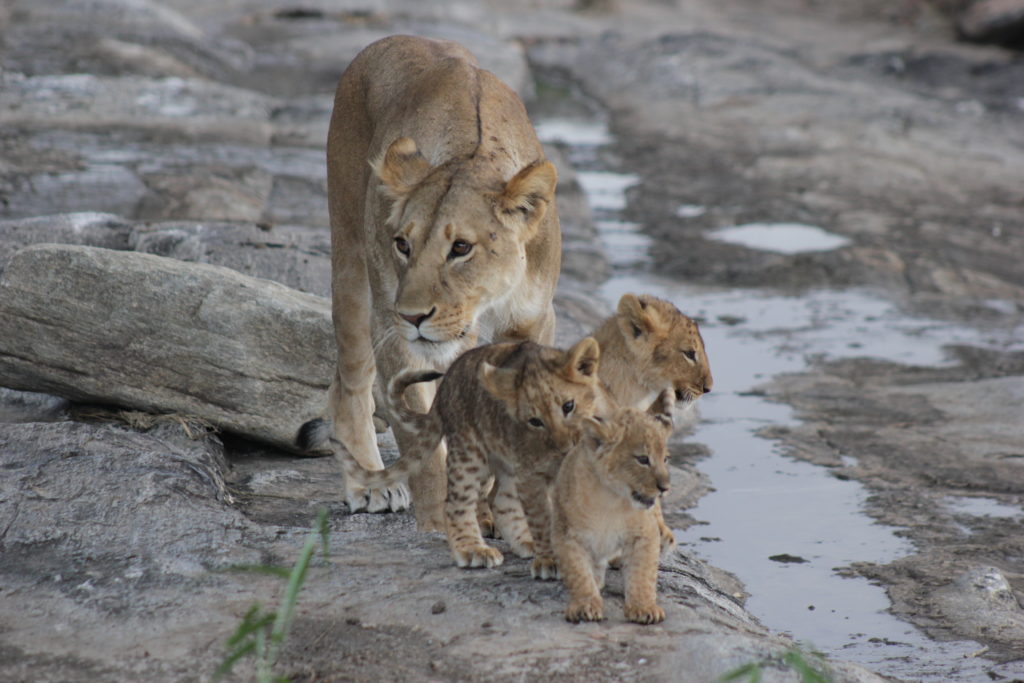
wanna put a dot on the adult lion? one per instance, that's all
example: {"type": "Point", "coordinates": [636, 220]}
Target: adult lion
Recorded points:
{"type": "Point", "coordinates": [444, 233]}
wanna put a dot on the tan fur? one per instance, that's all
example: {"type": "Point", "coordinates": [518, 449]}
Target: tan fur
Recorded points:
{"type": "Point", "coordinates": [509, 413]}
{"type": "Point", "coordinates": [645, 349]}
{"type": "Point", "coordinates": [444, 231]}
{"type": "Point", "coordinates": [603, 507]}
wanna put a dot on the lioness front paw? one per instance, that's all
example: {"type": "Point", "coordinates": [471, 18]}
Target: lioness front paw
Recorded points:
{"type": "Point", "coordinates": [478, 556]}
{"type": "Point", "coordinates": [394, 499]}
{"type": "Point", "coordinates": [544, 568]}
{"type": "Point", "coordinates": [590, 608]}
{"type": "Point", "coordinates": [668, 538]}
{"type": "Point", "coordinates": [645, 614]}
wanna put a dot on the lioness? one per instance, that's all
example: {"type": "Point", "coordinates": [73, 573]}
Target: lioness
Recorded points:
{"type": "Point", "coordinates": [444, 231]}
{"type": "Point", "coordinates": [604, 509]}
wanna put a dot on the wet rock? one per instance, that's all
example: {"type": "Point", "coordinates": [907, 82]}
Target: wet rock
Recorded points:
{"type": "Point", "coordinates": [165, 336]}
{"type": "Point", "coordinates": [983, 606]}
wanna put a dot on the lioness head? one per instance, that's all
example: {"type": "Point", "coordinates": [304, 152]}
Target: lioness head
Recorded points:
{"type": "Point", "coordinates": [551, 393]}
{"type": "Point", "coordinates": [664, 347]}
{"type": "Point", "coordinates": [629, 450]}
{"type": "Point", "coordinates": [458, 239]}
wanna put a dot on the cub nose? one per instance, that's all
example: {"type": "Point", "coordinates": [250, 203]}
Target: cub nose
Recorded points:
{"type": "Point", "coordinates": [417, 318]}
{"type": "Point", "coordinates": [707, 388]}
{"type": "Point", "coordinates": [663, 486]}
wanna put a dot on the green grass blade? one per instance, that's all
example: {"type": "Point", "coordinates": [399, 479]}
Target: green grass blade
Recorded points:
{"type": "Point", "coordinates": [808, 674]}
{"type": "Point", "coordinates": [751, 671]}
{"type": "Point", "coordinates": [229, 661]}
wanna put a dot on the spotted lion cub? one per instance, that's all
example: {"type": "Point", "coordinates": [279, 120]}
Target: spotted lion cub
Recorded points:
{"type": "Point", "coordinates": [509, 413]}
{"type": "Point", "coordinates": [604, 508]}
{"type": "Point", "coordinates": [649, 346]}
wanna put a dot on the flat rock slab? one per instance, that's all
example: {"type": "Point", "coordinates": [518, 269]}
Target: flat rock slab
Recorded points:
{"type": "Point", "coordinates": [250, 356]}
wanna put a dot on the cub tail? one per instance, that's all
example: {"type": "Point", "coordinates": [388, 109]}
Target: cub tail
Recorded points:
{"type": "Point", "coordinates": [426, 427]}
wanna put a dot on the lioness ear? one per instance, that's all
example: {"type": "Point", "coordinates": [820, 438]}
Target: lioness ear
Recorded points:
{"type": "Point", "coordinates": [499, 382]}
{"type": "Point", "coordinates": [582, 359]}
{"type": "Point", "coordinates": [637, 317]}
{"type": "Point", "coordinates": [661, 409]}
{"type": "Point", "coordinates": [401, 168]}
{"type": "Point", "coordinates": [529, 193]}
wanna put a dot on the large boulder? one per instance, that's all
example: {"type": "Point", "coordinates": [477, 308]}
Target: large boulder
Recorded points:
{"type": "Point", "coordinates": [251, 356]}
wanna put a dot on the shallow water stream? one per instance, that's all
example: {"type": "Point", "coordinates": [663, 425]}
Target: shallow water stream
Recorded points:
{"type": "Point", "coordinates": [765, 504]}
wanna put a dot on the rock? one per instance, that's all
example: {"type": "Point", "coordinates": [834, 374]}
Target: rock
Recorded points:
{"type": "Point", "coordinates": [186, 110]}
{"type": "Point", "coordinates": [251, 356]}
{"type": "Point", "coordinates": [993, 21]}
{"type": "Point", "coordinates": [983, 606]}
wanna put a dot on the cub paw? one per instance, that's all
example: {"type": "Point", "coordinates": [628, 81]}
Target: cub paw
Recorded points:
{"type": "Point", "coordinates": [646, 614]}
{"type": "Point", "coordinates": [544, 568]}
{"type": "Point", "coordinates": [485, 518]}
{"type": "Point", "coordinates": [585, 609]}
{"type": "Point", "coordinates": [479, 556]}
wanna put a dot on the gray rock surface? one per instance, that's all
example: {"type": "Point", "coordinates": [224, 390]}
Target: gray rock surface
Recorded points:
{"type": "Point", "coordinates": [186, 135]}
{"type": "Point", "coordinates": [248, 355]}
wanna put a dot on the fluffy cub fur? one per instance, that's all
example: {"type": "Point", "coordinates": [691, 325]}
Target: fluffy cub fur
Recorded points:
{"type": "Point", "coordinates": [604, 508]}
{"type": "Point", "coordinates": [509, 413]}
{"type": "Point", "coordinates": [649, 346]}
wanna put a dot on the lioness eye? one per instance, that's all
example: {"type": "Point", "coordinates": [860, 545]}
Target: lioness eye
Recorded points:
{"type": "Point", "coordinates": [402, 245]}
{"type": "Point", "coordinates": [691, 354]}
{"type": "Point", "coordinates": [536, 422]}
{"type": "Point", "coordinates": [460, 248]}
{"type": "Point", "coordinates": [568, 407]}
{"type": "Point", "coordinates": [643, 460]}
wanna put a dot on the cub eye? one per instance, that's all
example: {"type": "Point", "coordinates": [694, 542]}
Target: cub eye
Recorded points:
{"type": "Point", "coordinates": [536, 422]}
{"type": "Point", "coordinates": [402, 245]}
{"type": "Point", "coordinates": [460, 248]}
{"type": "Point", "coordinates": [568, 407]}
{"type": "Point", "coordinates": [643, 460]}
{"type": "Point", "coordinates": [691, 354]}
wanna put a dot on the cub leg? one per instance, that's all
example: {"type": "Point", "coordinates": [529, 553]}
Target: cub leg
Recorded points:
{"type": "Point", "coordinates": [468, 473]}
{"type": "Point", "coordinates": [509, 518]}
{"type": "Point", "coordinates": [576, 566]}
{"type": "Point", "coordinates": [640, 575]}
{"type": "Point", "coordinates": [533, 494]}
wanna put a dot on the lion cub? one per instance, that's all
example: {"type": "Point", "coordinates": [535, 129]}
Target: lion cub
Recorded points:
{"type": "Point", "coordinates": [509, 413]}
{"type": "Point", "coordinates": [604, 508]}
{"type": "Point", "coordinates": [649, 346]}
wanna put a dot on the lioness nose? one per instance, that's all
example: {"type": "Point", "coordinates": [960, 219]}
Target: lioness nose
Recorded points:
{"type": "Point", "coordinates": [417, 318]}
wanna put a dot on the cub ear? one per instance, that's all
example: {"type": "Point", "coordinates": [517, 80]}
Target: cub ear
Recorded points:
{"type": "Point", "coordinates": [599, 434]}
{"type": "Point", "coordinates": [528, 193]}
{"type": "Point", "coordinates": [637, 317]}
{"type": "Point", "coordinates": [401, 168]}
{"type": "Point", "coordinates": [582, 360]}
{"type": "Point", "coordinates": [499, 382]}
{"type": "Point", "coordinates": [661, 409]}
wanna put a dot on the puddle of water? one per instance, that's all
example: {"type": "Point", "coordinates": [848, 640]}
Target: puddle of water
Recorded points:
{"type": "Point", "coordinates": [765, 504]}
{"type": "Point", "coordinates": [983, 507]}
{"type": "Point", "coordinates": [782, 238]}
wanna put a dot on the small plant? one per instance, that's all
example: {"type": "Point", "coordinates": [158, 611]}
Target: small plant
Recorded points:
{"type": "Point", "coordinates": [263, 633]}
{"type": "Point", "coordinates": [795, 659]}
